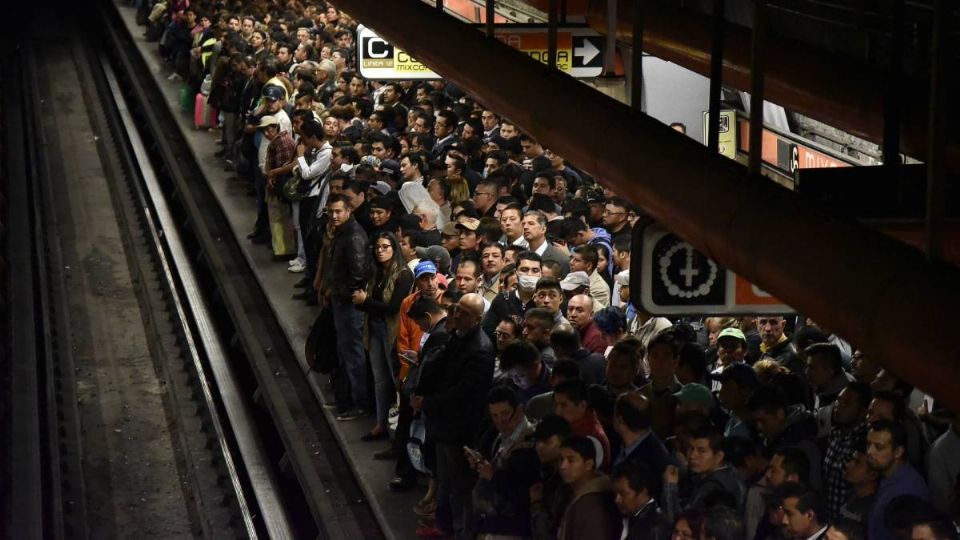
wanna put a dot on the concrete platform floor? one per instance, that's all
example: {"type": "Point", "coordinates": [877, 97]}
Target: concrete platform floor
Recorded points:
{"type": "Point", "coordinates": [392, 509]}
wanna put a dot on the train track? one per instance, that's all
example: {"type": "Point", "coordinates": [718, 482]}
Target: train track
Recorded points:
{"type": "Point", "coordinates": [256, 456]}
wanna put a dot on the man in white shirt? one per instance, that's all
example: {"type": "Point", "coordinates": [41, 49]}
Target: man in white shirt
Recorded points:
{"type": "Point", "coordinates": [534, 226]}
{"type": "Point", "coordinates": [312, 163]}
{"type": "Point", "coordinates": [511, 224]}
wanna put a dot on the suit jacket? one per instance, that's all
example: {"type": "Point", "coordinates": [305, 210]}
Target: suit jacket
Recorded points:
{"type": "Point", "coordinates": [648, 524]}
{"type": "Point", "coordinates": [654, 455]}
{"type": "Point", "coordinates": [441, 147]}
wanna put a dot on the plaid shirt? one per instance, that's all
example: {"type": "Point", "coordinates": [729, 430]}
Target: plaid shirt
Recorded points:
{"type": "Point", "coordinates": [840, 448]}
{"type": "Point", "coordinates": [280, 151]}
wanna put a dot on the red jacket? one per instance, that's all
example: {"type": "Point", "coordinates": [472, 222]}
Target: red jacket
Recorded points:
{"type": "Point", "coordinates": [592, 340]}
{"type": "Point", "coordinates": [589, 426]}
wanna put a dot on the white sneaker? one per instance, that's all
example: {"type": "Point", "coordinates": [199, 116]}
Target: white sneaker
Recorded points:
{"type": "Point", "coordinates": [297, 268]}
{"type": "Point", "coordinates": [173, 77]}
{"type": "Point", "coordinates": [294, 262]}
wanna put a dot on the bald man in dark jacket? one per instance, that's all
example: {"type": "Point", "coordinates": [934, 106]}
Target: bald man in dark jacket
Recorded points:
{"type": "Point", "coordinates": [452, 397]}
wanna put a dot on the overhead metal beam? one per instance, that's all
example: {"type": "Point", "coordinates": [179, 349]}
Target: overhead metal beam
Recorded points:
{"type": "Point", "coordinates": [716, 73]}
{"type": "Point", "coordinates": [636, 58]}
{"type": "Point", "coordinates": [936, 175]}
{"type": "Point", "coordinates": [757, 73]}
{"type": "Point", "coordinates": [877, 292]}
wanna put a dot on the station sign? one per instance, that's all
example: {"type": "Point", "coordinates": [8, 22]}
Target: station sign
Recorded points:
{"type": "Point", "coordinates": [579, 53]}
{"type": "Point", "coordinates": [579, 50]}
{"type": "Point", "coordinates": [727, 129]}
{"type": "Point", "coordinates": [377, 59]}
{"type": "Point", "coordinates": [788, 153]}
{"type": "Point", "coordinates": [676, 279]}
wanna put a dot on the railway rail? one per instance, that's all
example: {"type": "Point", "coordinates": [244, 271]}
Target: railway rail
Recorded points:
{"type": "Point", "coordinates": [254, 451]}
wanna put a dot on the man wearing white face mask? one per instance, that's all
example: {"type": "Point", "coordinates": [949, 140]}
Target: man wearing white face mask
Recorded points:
{"type": "Point", "coordinates": [516, 302]}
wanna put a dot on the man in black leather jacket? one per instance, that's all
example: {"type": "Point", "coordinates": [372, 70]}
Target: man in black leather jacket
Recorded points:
{"type": "Point", "coordinates": [345, 272]}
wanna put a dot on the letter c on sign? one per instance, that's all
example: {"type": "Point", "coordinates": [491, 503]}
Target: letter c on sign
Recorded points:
{"type": "Point", "coordinates": [378, 48]}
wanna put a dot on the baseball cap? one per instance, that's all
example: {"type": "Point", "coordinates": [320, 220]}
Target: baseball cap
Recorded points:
{"type": "Point", "coordinates": [593, 197]}
{"type": "Point", "coordinates": [383, 203]}
{"type": "Point", "coordinates": [740, 373]}
{"type": "Point", "coordinates": [423, 268]}
{"type": "Point", "coordinates": [381, 187]}
{"type": "Point", "coordinates": [732, 332]}
{"type": "Point", "coordinates": [372, 161]}
{"type": "Point", "coordinates": [574, 281]}
{"type": "Point", "coordinates": [273, 92]}
{"type": "Point", "coordinates": [268, 120]}
{"type": "Point", "coordinates": [391, 168]}
{"type": "Point", "coordinates": [694, 393]}
{"type": "Point", "coordinates": [450, 229]}
{"type": "Point", "coordinates": [470, 224]}
{"type": "Point", "coordinates": [436, 254]}
{"type": "Point", "coordinates": [623, 278]}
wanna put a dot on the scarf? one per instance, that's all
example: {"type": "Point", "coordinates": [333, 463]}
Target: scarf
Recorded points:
{"type": "Point", "coordinates": [764, 347]}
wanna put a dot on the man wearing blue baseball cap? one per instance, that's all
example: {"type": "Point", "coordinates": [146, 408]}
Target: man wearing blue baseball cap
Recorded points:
{"type": "Point", "coordinates": [410, 339]}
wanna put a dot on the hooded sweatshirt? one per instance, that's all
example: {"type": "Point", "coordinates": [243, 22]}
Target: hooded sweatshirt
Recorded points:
{"type": "Point", "coordinates": [591, 514]}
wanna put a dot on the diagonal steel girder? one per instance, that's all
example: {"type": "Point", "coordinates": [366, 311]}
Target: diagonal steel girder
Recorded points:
{"type": "Point", "coordinates": [877, 292]}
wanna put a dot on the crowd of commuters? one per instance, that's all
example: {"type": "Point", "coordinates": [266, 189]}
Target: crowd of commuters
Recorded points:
{"type": "Point", "coordinates": [479, 290]}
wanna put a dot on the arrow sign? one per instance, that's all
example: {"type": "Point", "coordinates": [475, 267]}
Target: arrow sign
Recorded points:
{"type": "Point", "coordinates": [588, 51]}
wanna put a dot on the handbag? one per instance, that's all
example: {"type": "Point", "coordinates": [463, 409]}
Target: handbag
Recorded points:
{"type": "Point", "coordinates": [295, 188]}
{"type": "Point", "coordinates": [157, 12]}
{"type": "Point", "coordinates": [206, 85]}
{"type": "Point", "coordinates": [416, 443]}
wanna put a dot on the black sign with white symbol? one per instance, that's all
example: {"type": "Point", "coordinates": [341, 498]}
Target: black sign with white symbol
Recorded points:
{"type": "Point", "coordinates": [683, 276]}
{"type": "Point", "coordinates": [587, 51]}
{"type": "Point", "coordinates": [375, 52]}
{"type": "Point", "coordinates": [724, 126]}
